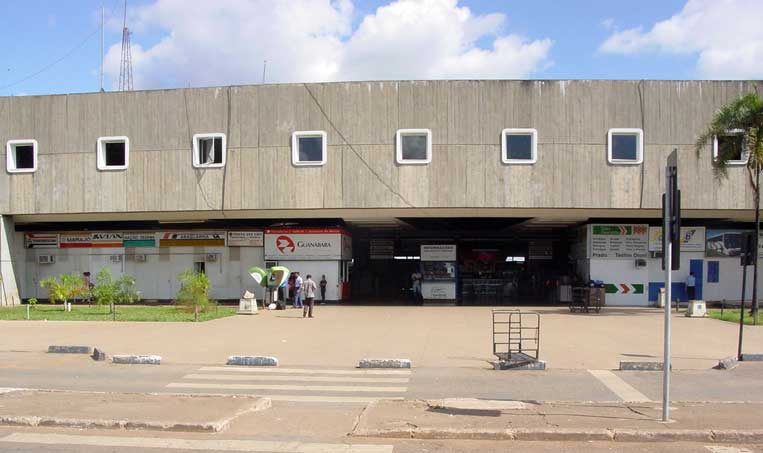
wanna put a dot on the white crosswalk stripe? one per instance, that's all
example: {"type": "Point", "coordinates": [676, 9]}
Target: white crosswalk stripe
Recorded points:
{"type": "Point", "coordinates": [352, 386]}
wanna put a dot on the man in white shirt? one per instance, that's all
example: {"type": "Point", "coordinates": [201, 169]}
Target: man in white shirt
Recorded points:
{"type": "Point", "coordinates": [298, 291]}
{"type": "Point", "coordinates": [310, 288]}
{"type": "Point", "coordinates": [691, 283]}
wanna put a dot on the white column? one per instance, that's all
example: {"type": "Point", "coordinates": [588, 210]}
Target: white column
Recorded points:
{"type": "Point", "coordinates": [9, 291]}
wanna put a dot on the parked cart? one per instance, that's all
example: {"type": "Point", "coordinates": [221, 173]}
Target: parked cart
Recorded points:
{"type": "Point", "coordinates": [588, 298]}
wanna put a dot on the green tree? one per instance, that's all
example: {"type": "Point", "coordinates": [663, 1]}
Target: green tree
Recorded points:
{"type": "Point", "coordinates": [194, 291]}
{"type": "Point", "coordinates": [742, 117]}
{"type": "Point", "coordinates": [64, 288]}
{"type": "Point", "coordinates": [110, 291]}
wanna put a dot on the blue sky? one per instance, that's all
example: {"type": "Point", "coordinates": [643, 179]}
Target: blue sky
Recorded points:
{"type": "Point", "coordinates": [550, 40]}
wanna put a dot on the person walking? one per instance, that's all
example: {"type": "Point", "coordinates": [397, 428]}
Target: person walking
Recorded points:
{"type": "Point", "coordinates": [310, 288]}
{"type": "Point", "coordinates": [691, 283]}
{"type": "Point", "coordinates": [323, 284]}
{"type": "Point", "coordinates": [297, 290]}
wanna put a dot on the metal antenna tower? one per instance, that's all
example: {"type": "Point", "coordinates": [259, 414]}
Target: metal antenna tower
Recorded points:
{"type": "Point", "coordinates": [125, 66]}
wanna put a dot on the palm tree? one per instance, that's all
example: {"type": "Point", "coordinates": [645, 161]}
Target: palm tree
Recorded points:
{"type": "Point", "coordinates": [741, 119]}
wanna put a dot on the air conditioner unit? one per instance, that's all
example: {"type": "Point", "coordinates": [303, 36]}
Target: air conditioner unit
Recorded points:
{"type": "Point", "coordinates": [115, 258]}
{"type": "Point", "coordinates": [139, 258]}
{"type": "Point", "coordinates": [640, 262]}
{"type": "Point", "coordinates": [46, 259]}
{"type": "Point", "coordinates": [211, 257]}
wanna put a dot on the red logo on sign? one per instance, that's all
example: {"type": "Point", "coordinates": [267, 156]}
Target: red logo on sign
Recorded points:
{"type": "Point", "coordinates": [284, 244]}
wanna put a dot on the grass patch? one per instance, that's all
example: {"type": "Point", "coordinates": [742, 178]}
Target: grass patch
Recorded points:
{"type": "Point", "coordinates": [124, 313]}
{"type": "Point", "coordinates": [732, 315]}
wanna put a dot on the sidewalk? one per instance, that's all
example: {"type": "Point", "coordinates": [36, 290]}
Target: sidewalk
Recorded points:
{"type": "Point", "coordinates": [476, 419]}
{"type": "Point", "coordinates": [339, 336]}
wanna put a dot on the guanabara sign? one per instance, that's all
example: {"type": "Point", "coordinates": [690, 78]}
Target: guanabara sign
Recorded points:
{"type": "Point", "coordinates": [307, 244]}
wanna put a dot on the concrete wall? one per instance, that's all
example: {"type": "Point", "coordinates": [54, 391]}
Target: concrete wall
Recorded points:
{"type": "Point", "coordinates": [466, 119]}
{"type": "Point", "coordinates": [11, 251]}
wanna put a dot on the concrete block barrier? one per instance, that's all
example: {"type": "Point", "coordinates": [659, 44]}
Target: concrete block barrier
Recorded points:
{"type": "Point", "coordinates": [641, 366]}
{"type": "Point", "coordinates": [752, 357]}
{"type": "Point", "coordinates": [384, 363]}
{"type": "Point", "coordinates": [252, 360]}
{"type": "Point", "coordinates": [98, 355]}
{"type": "Point", "coordinates": [535, 365]}
{"type": "Point", "coordinates": [70, 349]}
{"type": "Point", "coordinates": [137, 359]}
{"type": "Point", "coordinates": [727, 364]}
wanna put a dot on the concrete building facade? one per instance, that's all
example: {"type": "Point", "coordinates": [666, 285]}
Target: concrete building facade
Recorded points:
{"type": "Point", "coordinates": [466, 191]}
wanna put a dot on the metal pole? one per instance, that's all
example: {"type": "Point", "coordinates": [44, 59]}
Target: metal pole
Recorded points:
{"type": "Point", "coordinates": [741, 305]}
{"type": "Point", "coordinates": [666, 236]}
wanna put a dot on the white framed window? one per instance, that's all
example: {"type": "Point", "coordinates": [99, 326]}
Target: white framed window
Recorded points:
{"type": "Point", "coordinates": [625, 146]}
{"type": "Point", "coordinates": [519, 146]}
{"type": "Point", "coordinates": [308, 148]}
{"type": "Point", "coordinates": [209, 150]}
{"type": "Point", "coordinates": [21, 156]}
{"type": "Point", "coordinates": [113, 153]}
{"type": "Point", "coordinates": [413, 146]}
{"type": "Point", "coordinates": [733, 144]}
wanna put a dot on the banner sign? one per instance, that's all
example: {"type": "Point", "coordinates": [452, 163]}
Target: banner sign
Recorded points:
{"type": "Point", "coordinates": [728, 243]}
{"type": "Point", "coordinates": [692, 239]}
{"type": "Point", "coordinates": [438, 252]}
{"type": "Point", "coordinates": [191, 239]}
{"type": "Point", "coordinates": [41, 241]}
{"type": "Point", "coordinates": [617, 242]}
{"type": "Point", "coordinates": [106, 239]}
{"type": "Point", "coordinates": [307, 244]}
{"type": "Point", "coordinates": [69, 241]}
{"type": "Point", "coordinates": [245, 239]}
{"type": "Point", "coordinates": [139, 240]}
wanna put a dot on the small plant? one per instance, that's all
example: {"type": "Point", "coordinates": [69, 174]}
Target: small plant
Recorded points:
{"type": "Point", "coordinates": [110, 291]}
{"type": "Point", "coordinates": [32, 301]}
{"type": "Point", "coordinates": [64, 288]}
{"type": "Point", "coordinates": [194, 292]}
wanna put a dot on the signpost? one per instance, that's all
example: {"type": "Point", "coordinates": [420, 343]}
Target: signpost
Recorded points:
{"type": "Point", "coordinates": [748, 257]}
{"type": "Point", "coordinates": [671, 260]}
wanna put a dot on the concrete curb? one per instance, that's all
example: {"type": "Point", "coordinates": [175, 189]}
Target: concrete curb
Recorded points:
{"type": "Point", "coordinates": [728, 363]}
{"type": "Point", "coordinates": [83, 423]}
{"type": "Point", "coordinates": [641, 366]}
{"type": "Point", "coordinates": [137, 359]}
{"type": "Point", "coordinates": [752, 357]}
{"type": "Point", "coordinates": [536, 365]}
{"type": "Point", "coordinates": [384, 363]}
{"type": "Point", "coordinates": [70, 349]}
{"type": "Point", "coordinates": [249, 360]}
{"type": "Point", "coordinates": [567, 434]}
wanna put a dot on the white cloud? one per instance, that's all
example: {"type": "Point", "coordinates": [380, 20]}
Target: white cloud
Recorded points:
{"type": "Point", "coordinates": [726, 36]}
{"type": "Point", "coordinates": [608, 23]}
{"type": "Point", "coordinates": [226, 41]}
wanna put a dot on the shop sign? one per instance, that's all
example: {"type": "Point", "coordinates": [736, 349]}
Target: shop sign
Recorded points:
{"type": "Point", "coordinates": [307, 244]}
{"type": "Point", "coordinates": [41, 241]}
{"type": "Point", "coordinates": [382, 249]}
{"type": "Point", "coordinates": [438, 252]}
{"type": "Point", "coordinates": [106, 239]}
{"type": "Point", "coordinates": [70, 241]}
{"type": "Point", "coordinates": [139, 239]}
{"type": "Point", "coordinates": [438, 290]}
{"type": "Point", "coordinates": [245, 239]}
{"type": "Point", "coordinates": [728, 243]}
{"type": "Point", "coordinates": [692, 239]}
{"type": "Point", "coordinates": [191, 239]}
{"type": "Point", "coordinates": [616, 242]}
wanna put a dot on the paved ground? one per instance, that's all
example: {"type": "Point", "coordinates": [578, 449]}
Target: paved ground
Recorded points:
{"type": "Point", "coordinates": [453, 337]}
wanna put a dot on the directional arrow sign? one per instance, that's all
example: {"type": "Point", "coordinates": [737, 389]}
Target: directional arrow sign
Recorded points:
{"type": "Point", "coordinates": [624, 288]}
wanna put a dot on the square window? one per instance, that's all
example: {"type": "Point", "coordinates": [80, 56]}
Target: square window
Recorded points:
{"type": "Point", "coordinates": [519, 146]}
{"type": "Point", "coordinates": [21, 156]}
{"type": "Point", "coordinates": [113, 153]}
{"type": "Point", "coordinates": [732, 146]}
{"type": "Point", "coordinates": [308, 148]}
{"type": "Point", "coordinates": [209, 150]}
{"type": "Point", "coordinates": [625, 146]}
{"type": "Point", "coordinates": [414, 146]}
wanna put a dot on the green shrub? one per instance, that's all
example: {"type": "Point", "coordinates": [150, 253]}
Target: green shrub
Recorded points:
{"type": "Point", "coordinates": [110, 291]}
{"type": "Point", "coordinates": [64, 288]}
{"type": "Point", "coordinates": [194, 291]}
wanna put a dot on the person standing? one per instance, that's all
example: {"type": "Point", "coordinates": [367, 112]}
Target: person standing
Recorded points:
{"type": "Point", "coordinates": [691, 283]}
{"type": "Point", "coordinates": [297, 290]}
{"type": "Point", "coordinates": [323, 284]}
{"type": "Point", "coordinates": [416, 284]}
{"type": "Point", "coordinates": [310, 288]}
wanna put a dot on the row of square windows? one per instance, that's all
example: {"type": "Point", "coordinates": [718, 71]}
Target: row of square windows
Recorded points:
{"type": "Point", "coordinates": [412, 146]}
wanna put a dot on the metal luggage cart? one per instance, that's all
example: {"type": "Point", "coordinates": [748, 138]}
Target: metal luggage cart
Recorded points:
{"type": "Point", "coordinates": [516, 336]}
{"type": "Point", "coordinates": [585, 299]}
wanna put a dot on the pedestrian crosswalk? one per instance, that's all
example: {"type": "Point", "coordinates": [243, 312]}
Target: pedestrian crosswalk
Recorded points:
{"type": "Point", "coordinates": [299, 384]}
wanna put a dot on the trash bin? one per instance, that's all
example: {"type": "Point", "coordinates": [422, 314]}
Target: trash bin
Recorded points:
{"type": "Point", "coordinates": [661, 298]}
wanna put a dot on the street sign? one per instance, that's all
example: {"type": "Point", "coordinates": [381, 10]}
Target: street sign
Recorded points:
{"type": "Point", "coordinates": [671, 221]}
